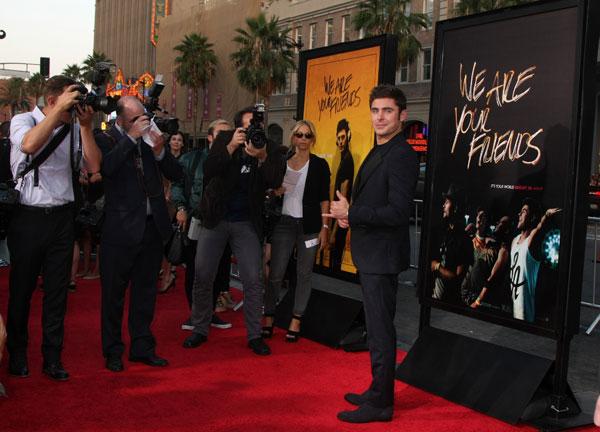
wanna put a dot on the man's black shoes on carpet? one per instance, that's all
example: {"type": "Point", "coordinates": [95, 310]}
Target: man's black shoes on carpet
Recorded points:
{"type": "Point", "coordinates": [366, 414]}
{"type": "Point", "coordinates": [151, 360]}
{"type": "Point", "coordinates": [194, 340]}
{"type": "Point", "coordinates": [356, 398]}
{"type": "Point", "coordinates": [114, 363]}
{"type": "Point", "coordinates": [56, 371]}
{"type": "Point", "coordinates": [258, 346]}
{"type": "Point", "coordinates": [18, 368]}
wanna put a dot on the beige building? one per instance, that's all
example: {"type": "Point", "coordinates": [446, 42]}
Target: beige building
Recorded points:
{"type": "Point", "coordinates": [122, 31]}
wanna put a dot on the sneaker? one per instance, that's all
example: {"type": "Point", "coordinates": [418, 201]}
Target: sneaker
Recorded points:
{"type": "Point", "coordinates": [187, 325]}
{"type": "Point", "coordinates": [220, 306]}
{"type": "Point", "coordinates": [219, 323]}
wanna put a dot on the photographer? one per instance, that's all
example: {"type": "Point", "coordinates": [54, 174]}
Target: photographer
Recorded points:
{"type": "Point", "coordinates": [236, 174]}
{"type": "Point", "coordinates": [136, 226]}
{"type": "Point", "coordinates": [41, 236]}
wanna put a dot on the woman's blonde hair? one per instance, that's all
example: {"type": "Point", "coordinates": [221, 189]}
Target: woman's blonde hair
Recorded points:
{"type": "Point", "coordinates": [309, 125]}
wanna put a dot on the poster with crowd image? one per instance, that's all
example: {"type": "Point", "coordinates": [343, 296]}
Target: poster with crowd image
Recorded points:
{"type": "Point", "coordinates": [335, 83]}
{"type": "Point", "coordinates": [501, 170]}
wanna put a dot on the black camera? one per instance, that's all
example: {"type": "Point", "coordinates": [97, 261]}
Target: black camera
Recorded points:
{"type": "Point", "coordinates": [168, 125]}
{"type": "Point", "coordinates": [256, 132]}
{"type": "Point", "coordinates": [96, 98]}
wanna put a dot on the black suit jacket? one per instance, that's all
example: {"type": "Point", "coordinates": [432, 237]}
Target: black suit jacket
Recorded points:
{"type": "Point", "coordinates": [316, 190]}
{"type": "Point", "coordinates": [126, 189]}
{"type": "Point", "coordinates": [382, 204]}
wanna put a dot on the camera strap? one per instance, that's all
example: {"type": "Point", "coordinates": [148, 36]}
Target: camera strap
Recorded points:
{"type": "Point", "coordinates": [44, 154]}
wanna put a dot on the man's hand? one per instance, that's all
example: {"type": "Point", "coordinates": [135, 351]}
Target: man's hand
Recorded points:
{"type": "Point", "coordinates": [435, 265]}
{"type": "Point", "coordinates": [67, 99]}
{"type": "Point", "coordinates": [181, 218]}
{"type": "Point", "coordinates": [139, 127]}
{"type": "Point", "coordinates": [323, 239]}
{"type": "Point", "coordinates": [85, 115]}
{"type": "Point", "coordinates": [260, 154]}
{"type": "Point", "coordinates": [238, 138]}
{"type": "Point", "coordinates": [339, 209]}
{"type": "Point", "coordinates": [159, 142]}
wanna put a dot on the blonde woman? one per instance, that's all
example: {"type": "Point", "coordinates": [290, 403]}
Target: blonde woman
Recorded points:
{"type": "Point", "coordinates": [301, 226]}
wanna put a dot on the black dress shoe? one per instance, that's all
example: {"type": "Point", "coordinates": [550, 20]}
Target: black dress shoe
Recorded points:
{"type": "Point", "coordinates": [18, 369]}
{"type": "Point", "coordinates": [114, 363]}
{"type": "Point", "coordinates": [259, 347]}
{"type": "Point", "coordinates": [367, 414]}
{"type": "Point", "coordinates": [152, 360]}
{"type": "Point", "coordinates": [56, 371]}
{"type": "Point", "coordinates": [194, 340]}
{"type": "Point", "coordinates": [356, 398]}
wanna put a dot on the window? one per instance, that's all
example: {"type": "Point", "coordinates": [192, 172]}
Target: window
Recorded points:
{"type": "Point", "coordinates": [428, 10]}
{"type": "Point", "coordinates": [402, 73]}
{"type": "Point", "coordinates": [312, 34]}
{"type": "Point", "coordinates": [298, 37]}
{"type": "Point", "coordinates": [426, 73]}
{"type": "Point", "coordinates": [328, 32]}
{"type": "Point", "coordinates": [346, 28]}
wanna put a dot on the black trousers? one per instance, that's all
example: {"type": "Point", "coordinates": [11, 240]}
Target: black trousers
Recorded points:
{"type": "Point", "coordinates": [379, 300]}
{"type": "Point", "coordinates": [40, 242]}
{"type": "Point", "coordinates": [221, 280]}
{"type": "Point", "coordinates": [120, 265]}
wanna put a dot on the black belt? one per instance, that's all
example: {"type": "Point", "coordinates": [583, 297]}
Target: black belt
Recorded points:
{"type": "Point", "coordinates": [47, 210]}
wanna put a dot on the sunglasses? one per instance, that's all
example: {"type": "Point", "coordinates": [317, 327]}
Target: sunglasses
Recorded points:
{"type": "Point", "coordinates": [307, 135]}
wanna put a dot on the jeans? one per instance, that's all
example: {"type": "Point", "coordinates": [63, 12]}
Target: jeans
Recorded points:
{"type": "Point", "coordinates": [287, 234]}
{"type": "Point", "coordinates": [244, 242]}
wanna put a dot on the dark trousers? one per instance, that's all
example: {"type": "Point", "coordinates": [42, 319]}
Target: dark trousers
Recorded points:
{"type": "Point", "coordinates": [120, 265]}
{"type": "Point", "coordinates": [221, 279]}
{"type": "Point", "coordinates": [379, 300]}
{"type": "Point", "coordinates": [39, 242]}
{"type": "Point", "coordinates": [337, 254]}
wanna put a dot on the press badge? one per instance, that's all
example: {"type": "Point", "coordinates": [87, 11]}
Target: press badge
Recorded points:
{"type": "Point", "coordinates": [311, 243]}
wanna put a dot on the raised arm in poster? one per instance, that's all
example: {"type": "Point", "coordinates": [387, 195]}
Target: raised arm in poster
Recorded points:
{"type": "Point", "coordinates": [334, 94]}
{"type": "Point", "coordinates": [503, 167]}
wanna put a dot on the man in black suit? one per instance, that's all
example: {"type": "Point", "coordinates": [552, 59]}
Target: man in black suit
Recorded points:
{"type": "Point", "coordinates": [379, 219]}
{"type": "Point", "coordinates": [136, 227]}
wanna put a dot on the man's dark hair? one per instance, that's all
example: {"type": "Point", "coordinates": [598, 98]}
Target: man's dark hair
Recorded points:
{"type": "Point", "coordinates": [343, 125]}
{"type": "Point", "coordinates": [55, 85]}
{"type": "Point", "coordinates": [388, 91]}
{"type": "Point", "coordinates": [237, 118]}
{"type": "Point", "coordinates": [535, 210]}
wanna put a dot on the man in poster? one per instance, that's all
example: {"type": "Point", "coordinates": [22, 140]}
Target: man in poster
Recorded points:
{"type": "Point", "coordinates": [525, 258]}
{"type": "Point", "coordinates": [344, 178]}
{"type": "Point", "coordinates": [379, 218]}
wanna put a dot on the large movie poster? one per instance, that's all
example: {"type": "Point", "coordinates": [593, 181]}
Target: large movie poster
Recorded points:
{"type": "Point", "coordinates": [336, 86]}
{"type": "Point", "coordinates": [500, 167]}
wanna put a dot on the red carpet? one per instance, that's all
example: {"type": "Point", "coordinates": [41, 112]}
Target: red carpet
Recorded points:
{"type": "Point", "coordinates": [221, 386]}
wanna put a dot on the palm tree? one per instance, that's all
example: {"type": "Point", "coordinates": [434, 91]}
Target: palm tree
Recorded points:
{"type": "Point", "coordinates": [35, 85]}
{"type": "Point", "coordinates": [195, 66]}
{"type": "Point", "coordinates": [90, 63]}
{"type": "Point", "coordinates": [377, 17]}
{"type": "Point", "coordinates": [14, 94]}
{"type": "Point", "coordinates": [264, 58]}
{"type": "Point", "coordinates": [468, 7]}
{"type": "Point", "coordinates": [72, 71]}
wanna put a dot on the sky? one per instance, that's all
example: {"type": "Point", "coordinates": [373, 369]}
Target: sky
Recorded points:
{"type": "Point", "coordinates": [60, 29]}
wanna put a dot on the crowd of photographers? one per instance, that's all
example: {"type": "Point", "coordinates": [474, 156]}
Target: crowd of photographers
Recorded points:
{"type": "Point", "coordinates": [125, 192]}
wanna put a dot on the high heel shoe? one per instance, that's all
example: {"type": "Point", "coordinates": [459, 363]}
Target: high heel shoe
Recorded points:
{"type": "Point", "coordinates": [165, 288]}
{"type": "Point", "coordinates": [267, 331]}
{"type": "Point", "coordinates": [293, 335]}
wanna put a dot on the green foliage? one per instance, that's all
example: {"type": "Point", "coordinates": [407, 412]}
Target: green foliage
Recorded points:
{"type": "Point", "coordinates": [468, 7]}
{"type": "Point", "coordinates": [35, 85]}
{"type": "Point", "coordinates": [15, 95]}
{"type": "Point", "coordinates": [264, 57]}
{"type": "Point", "coordinates": [377, 17]}
{"type": "Point", "coordinates": [90, 62]}
{"type": "Point", "coordinates": [73, 71]}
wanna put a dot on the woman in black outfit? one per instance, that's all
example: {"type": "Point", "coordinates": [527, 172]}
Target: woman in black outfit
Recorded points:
{"type": "Point", "coordinates": [305, 192]}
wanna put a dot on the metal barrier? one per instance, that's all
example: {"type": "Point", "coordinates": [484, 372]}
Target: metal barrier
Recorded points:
{"type": "Point", "coordinates": [592, 301]}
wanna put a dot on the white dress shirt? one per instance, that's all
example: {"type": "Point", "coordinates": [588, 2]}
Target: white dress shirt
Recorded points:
{"type": "Point", "coordinates": [55, 186]}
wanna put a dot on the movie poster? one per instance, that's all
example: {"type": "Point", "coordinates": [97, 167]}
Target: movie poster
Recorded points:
{"type": "Point", "coordinates": [336, 100]}
{"type": "Point", "coordinates": [502, 136]}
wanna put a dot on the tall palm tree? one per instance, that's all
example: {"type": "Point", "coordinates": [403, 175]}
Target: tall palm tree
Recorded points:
{"type": "Point", "coordinates": [195, 66]}
{"type": "Point", "coordinates": [264, 58]}
{"type": "Point", "coordinates": [72, 71]}
{"type": "Point", "coordinates": [468, 7]}
{"type": "Point", "coordinates": [378, 17]}
{"type": "Point", "coordinates": [35, 85]}
{"type": "Point", "coordinates": [90, 62]}
{"type": "Point", "coordinates": [14, 94]}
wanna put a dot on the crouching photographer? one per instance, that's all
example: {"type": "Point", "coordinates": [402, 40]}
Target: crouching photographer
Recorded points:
{"type": "Point", "coordinates": [46, 150]}
{"type": "Point", "coordinates": [237, 173]}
